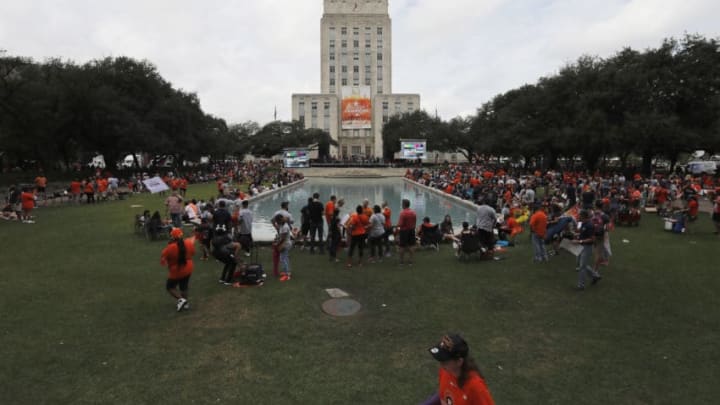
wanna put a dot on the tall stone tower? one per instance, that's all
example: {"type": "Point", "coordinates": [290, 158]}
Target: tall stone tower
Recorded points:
{"type": "Point", "coordinates": [356, 78]}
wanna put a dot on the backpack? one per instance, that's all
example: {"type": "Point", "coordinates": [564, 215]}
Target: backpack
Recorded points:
{"type": "Point", "coordinates": [598, 224]}
{"type": "Point", "coordinates": [252, 273]}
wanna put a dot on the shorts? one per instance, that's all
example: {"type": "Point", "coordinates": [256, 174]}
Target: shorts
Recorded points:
{"type": "Point", "coordinates": [183, 283]}
{"type": "Point", "coordinates": [406, 238]}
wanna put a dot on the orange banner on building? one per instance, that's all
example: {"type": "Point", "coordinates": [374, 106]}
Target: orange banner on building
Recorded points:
{"type": "Point", "coordinates": [356, 107]}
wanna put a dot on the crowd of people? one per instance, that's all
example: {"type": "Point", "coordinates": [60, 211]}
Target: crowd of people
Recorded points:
{"type": "Point", "coordinates": [579, 207]}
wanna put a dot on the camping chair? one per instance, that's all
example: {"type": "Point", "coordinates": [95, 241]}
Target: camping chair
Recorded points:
{"type": "Point", "coordinates": [431, 237]}
{"type": "Point", "coordinates": [469, 246]}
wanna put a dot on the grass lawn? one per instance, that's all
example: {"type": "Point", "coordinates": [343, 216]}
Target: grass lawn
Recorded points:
{"type": "Point", "coordinates": [85, 319]}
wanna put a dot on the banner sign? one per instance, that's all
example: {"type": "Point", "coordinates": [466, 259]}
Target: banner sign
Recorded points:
{"type": "Point", "coordinates": [356, 107]}
{"type": "Point", "coordinates": [155, 185]}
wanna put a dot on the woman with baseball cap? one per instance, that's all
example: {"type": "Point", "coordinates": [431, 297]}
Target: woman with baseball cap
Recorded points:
{"type": "Point", "coordinates": [177, 256]}
{"type": "Point", "coordinates": [460, 380]}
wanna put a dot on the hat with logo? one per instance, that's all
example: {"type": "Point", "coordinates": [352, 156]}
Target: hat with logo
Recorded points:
{"type": "Point", "coordinates": [450, 347]}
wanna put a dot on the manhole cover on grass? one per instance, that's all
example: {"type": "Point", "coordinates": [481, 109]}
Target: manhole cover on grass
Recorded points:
{"type": "Point", "coordinates": [341, 307]}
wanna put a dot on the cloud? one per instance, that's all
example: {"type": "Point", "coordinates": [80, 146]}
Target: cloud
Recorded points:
{"type": "Point", "coordinates": [243, 58]}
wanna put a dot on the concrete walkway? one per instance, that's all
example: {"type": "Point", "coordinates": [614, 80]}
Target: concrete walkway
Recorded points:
{"type": "Point", "coordinates": [351, 172]}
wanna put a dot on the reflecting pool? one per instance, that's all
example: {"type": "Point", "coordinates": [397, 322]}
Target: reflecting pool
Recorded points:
{"type": "Point", "coordinates": [354, 191]}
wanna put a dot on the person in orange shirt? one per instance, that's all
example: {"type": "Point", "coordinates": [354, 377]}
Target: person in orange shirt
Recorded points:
{"type": "Point", "coordinates": [75, 190]}
{"type": "Point", "coordinates": [182, 185]}
{"type": "Point", "coordinates": [329, 210]}
{"type": "Point", "coordinates": [367, 209]}
{"type": "Point", "coordinates": [40, 185]}
{"type": "Point", "coordinates": [102, 186]}
{"type": "Point", "coordinates": [27, 200]}
{"type": "Point", "coordinates": [357, 225]}
{"type": "Point", "coordinates": [89, 191]}
{"type": "Point", "coordinates": [177, 256]}
{"type": "Point", "coordinates": [460, 380]}
{"type": "Point", "coordinates": [538, 228]}
{"type": "Point", "coordinates": [387, 213]}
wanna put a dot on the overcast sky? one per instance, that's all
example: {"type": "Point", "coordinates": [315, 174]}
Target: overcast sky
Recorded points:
{"type": "Point", "coordinates": [244, 57]}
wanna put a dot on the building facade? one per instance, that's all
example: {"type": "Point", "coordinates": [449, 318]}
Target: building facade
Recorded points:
{"type": "Point", "coordinates": [356, 96]}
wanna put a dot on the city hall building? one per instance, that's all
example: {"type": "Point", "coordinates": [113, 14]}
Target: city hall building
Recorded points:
{"type": "Point", "coordinates": [356, 97]}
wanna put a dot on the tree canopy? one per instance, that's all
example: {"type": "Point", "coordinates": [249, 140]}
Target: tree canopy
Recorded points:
{"type": "Point", "coordinates": [661, 102]}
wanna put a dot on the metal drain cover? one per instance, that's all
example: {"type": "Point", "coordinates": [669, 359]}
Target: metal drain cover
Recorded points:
{"type": "Point", "coordinates": [341, 307]}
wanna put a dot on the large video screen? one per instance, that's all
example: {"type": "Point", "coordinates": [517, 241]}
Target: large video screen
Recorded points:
{"type": "Point", "coordinates": [413, 149]}
{"type": "Point", "coordinates": [296, 158]}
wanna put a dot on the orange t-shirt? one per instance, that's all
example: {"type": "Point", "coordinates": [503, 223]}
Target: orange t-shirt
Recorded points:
{"type": "Point", "coordinates": [102, 185]}
{"type": "Point", "coordinates": [538, 223]}
{"type": "Point", "coordinates": [387, 213]}
{"type": "Point", "coordinates": [169, 257]}
{"type": "Point", "coordinates": [329, 209]}
{"type": "Point", "coordinates": [75, 187]}
{"type": "Point", "coordinates": [28, 200]}
{"type": "Point", "coordinates": [368, 212]}
{"type": "Point", "coordinates": [89, 188]}
{"type": "Point", "coordinates": [474, 392]}
{"type": "Point", "coordinates": [358, 223]}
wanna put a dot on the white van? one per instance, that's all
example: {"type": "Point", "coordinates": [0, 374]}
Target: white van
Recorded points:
{"type": "Point", "coordinates": [702, 166]}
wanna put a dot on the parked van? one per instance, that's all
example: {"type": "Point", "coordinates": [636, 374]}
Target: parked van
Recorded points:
{"type": "Point", "coordinates": [702, 166]}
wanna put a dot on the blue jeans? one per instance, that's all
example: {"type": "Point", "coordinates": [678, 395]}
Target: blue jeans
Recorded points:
{"type": "Point", "coordinates": [176, 220]}
{"type": "Point", "coordinates": [285, 261]}
{"type": "Point", "coordinates": [539, 248]}
{"type": "Point", "coordinates": [584, 261]}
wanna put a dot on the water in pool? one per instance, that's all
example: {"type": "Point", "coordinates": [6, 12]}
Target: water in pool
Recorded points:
{"type": "Point", "coordinates": [354, 191]}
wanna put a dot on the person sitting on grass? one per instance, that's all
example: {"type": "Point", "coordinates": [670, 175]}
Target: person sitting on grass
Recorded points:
{"type": "Point", "coordinates": [446, 228]}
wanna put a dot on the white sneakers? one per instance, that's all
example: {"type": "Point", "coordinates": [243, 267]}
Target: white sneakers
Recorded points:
{"type": "Point", "coordinates": [181, 303]}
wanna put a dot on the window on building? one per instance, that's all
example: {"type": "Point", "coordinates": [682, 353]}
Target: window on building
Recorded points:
{"type": "Point", "coordinates": [356, 31]}
{"type": "Point", "coordinates": [332, 55]}
{"type": "Point", "coordinates": [344, 69]}
{"type": "Point", "coordinates": [313, 108]}
{"type": "Point", "coordinates": [343, 31]}
{"type": "Point", "coordinates": [356, 43]}
{"type": "Point", "coordinates": [332, 44]}
{"type": "Point", "coordinates": [367, 81]}
{"type": "Point", "coordinates": [332, 68]}
{"type": "Point", "coordinates": [344, 81]}
{"type": "Point", "coordinates": [379, 87]}
{"type": "Point", "coordinates": [331, 33]}
{"type": "Point", "coordinates": [397, 107]}
{"type": "Point", "coordinates": [356, 81]}
{"type": "Point", "coordinates": [356, 56]}
{"type": "Point", "coordinates": [343, 43]}
{"type": "Point", "coordinates": [368, 39]}
{"type": "Point", "coordinates": [326, 109]}
{"type": "Point", "coordinates": [379, 31]}
{"type": "Point", "coordinates": [356, 69]}
{"type": "Point", "coordinates": [379, 73]}
{"type": "Point", "coordinates": [356, 132]}
{"type": "Point", "coordinates": [332, 81]}
{"type": "Point", "coordinates": [356, 150]}
{"type": "Point", "coordinates": [379, 43]}
{"type": "Point", "coordinates": [379, 56]}
{"type": "Point", "coordinates": [411, 106]}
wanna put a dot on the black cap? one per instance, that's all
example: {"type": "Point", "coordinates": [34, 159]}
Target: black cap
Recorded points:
{"type": "Point", "coordinates": [450, 347]}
